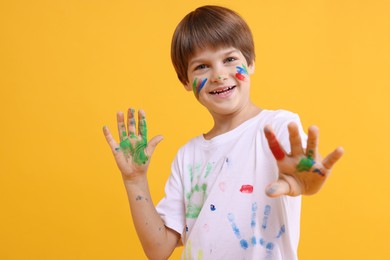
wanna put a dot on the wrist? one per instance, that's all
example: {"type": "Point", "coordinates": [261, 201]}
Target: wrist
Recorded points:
{"type": "Point", "coordinates": [136, 183]}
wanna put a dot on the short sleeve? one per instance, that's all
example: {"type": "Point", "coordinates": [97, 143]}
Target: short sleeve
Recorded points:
{"type": "Point", "coordinates": [171, 207]}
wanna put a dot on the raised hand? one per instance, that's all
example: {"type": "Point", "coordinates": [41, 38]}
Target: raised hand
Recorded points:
{"type": "Point", "coordinates": [302, 171]}
{"type": "Point", "coordinates": [133, 153]}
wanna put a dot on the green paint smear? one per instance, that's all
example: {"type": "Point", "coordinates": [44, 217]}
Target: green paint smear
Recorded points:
{"type": "Point", "coordinates": [245, 69]}
{"type": "Point", "coordinates": [305, 164]}
{"type": "Point", "coordinates": [209, 167]}
{"type": "Point", "coordinates": [197, 195]}
{"type": "Point", "coordinates": [193, 210]}
{"type": "Point", "coordinates": [194, 86]}
{"type": "Point", "coordinates": [137, 151]}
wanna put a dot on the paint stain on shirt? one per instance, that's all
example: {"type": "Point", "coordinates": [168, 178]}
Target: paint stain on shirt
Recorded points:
{"type": "Point", "coordinates": [246, 188]}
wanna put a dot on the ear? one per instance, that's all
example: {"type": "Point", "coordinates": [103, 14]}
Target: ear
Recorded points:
{"type": "Point", "coordinates": [188, 86]}
{"type": "Point", "coordinates": [251, 68]}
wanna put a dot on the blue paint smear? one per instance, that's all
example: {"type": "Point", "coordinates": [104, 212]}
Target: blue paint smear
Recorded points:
{"type": "Point", "coordinates": [234, 226]}
{"type": "Point", "coordinates": [212, 207]}
{"type": "Point", "coordinates": [241, 70]}
{"type": "Point", "coordinates": [262, 242]}
{"type": "Point", "coordinates": [319, 172]}
{"type": "Point", "coordinates": [282, 231]}
{"type": "Point", "coordinates": [269, 246]}
{"type": "Point", "coordinates": [244, 244]}
{"type": "Point", "coordinates": [267, 211]}
{"type": "Point", "coordinates": [253, 220]}
{"type": "Point", "coordinates": [202, 84]}
{"type": "Point", "coordinates": [254, 241]}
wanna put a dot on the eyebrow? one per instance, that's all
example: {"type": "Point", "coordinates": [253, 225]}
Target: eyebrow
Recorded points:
{"type": "Point", "coordinates": [200, 60]}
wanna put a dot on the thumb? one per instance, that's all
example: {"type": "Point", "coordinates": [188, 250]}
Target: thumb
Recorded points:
{"type": "Point", "coordinates": [153, 144]}
{"type": "Point", "coordinates": [277, 189]}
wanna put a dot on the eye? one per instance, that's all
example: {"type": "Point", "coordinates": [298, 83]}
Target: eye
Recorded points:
{"type": "Point", "coordinates": [200, 67]}
{"type": "Point", "coordinates": [230, 59]}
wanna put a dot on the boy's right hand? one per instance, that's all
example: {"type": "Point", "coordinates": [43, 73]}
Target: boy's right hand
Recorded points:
{"type": "Point", "coordinates": [133, 153]}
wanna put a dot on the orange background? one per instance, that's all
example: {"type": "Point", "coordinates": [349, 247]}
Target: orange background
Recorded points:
{"type": "Point", "coordinates": [66, 67]}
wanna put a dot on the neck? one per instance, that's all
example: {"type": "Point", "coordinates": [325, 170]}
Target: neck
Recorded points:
{"type": "Point", "coordinates": [226, 122]}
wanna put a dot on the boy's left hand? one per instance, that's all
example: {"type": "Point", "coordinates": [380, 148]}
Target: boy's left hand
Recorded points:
{"type": "Point", "coordinates": [302, 171]}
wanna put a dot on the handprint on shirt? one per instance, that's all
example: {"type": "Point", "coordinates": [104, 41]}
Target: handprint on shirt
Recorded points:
{"type": "Point", "coordinates": [253, 241]}
{"type": "Point", "coordinates": [198, 193]}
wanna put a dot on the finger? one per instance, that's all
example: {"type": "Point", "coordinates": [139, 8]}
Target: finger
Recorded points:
{"type": "Point", "coordinates": [295, 139]}
{"type": "Point", "coordinates": [131, 122]}
{"type": "Point", "coordinates": [273, 143]}
{"type": "Point", "coordinates": [142, 128]}
{"type": "Point", "coordinates": [153, 144]}
{"type": "Point", "coordinates": [277, 189]}
{"type": "Point", "coordinates": [110, 139]}
{"type": "Point", "coordinates": [121, 125]}
{"type": "Point", "coordinates": [312, 142]}
{"type": "Point", "coordinates": [333, 157]}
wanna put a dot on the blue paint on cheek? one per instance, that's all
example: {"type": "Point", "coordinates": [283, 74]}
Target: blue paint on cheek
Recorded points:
{"type": "Point", "coordinates": [240, 70]}
{"type": "Point", "coordinates": [202, 84]}
{"type": "Point", "coordinates": [212, 207]}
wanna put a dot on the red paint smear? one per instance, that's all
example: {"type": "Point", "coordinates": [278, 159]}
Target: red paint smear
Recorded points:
{"type": "Point", "coordinates": [274, 146]}
{"type": "Point", "coordinates": [246, 188]}
{"type": "Point", "coordinates": [240, 76]}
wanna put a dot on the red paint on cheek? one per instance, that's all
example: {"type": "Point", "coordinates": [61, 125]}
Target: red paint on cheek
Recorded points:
{"type": "Point", "coordinates": [240, 76]}
{"type": "Point", "coordinates": [274, 146]}
{"type": "Point", "coordinates": [246, 188]}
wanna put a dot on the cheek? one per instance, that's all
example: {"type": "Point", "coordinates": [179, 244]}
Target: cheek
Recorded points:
{"type": "Point", "coordinates": [240, 76]}
{"type": "Point", "coordinates": [242, 72]}
{"type": "Point", "coordinates": [198, 84]}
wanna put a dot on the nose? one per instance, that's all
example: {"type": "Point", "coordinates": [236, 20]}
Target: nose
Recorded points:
{"type": "Point", "coordinates": [219, 78]}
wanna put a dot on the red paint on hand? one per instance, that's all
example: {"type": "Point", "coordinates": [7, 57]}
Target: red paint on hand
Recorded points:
{"type": "Point", "coordinates": [246, 188]}
{"type": "Point", "coordinates": [240, 76]}
{"type": "Point", "coordinates": [274, 145]}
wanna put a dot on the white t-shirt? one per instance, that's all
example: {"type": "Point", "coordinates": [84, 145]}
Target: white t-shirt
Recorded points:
{"type": "Point", "coordinates": [215, 195]}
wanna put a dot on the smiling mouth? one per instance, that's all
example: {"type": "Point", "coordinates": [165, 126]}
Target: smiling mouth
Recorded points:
{"type": "Point", "coordinates": [221, 91]}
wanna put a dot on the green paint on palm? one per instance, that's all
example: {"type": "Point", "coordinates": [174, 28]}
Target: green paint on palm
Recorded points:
{"type": "Point", "coordinates": [137, 149]}
{"type": "Point", "coordinates": [126, 147]}
{"type": "Point", "coordinates": [305, 164]}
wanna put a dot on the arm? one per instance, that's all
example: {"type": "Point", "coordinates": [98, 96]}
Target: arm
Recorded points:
{"type": "Point", "coordinates": [132, 156]}
{"type": "Point", "coordinates": [303, 171]}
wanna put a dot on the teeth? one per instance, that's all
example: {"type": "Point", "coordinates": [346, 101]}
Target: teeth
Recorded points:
{"type": "Point", "coordinates": [221, 91]}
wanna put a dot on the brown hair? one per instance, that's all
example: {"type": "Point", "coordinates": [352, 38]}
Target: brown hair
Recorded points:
{"type": "Point", "coordinates": [209, 26]}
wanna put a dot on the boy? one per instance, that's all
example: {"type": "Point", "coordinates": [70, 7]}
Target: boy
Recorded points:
{"type": "Point", "coordinates": [234, 192]}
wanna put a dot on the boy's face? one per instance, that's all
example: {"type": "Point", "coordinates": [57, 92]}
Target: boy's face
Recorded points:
{"type": "Point", "coordinates": [220, 79]}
